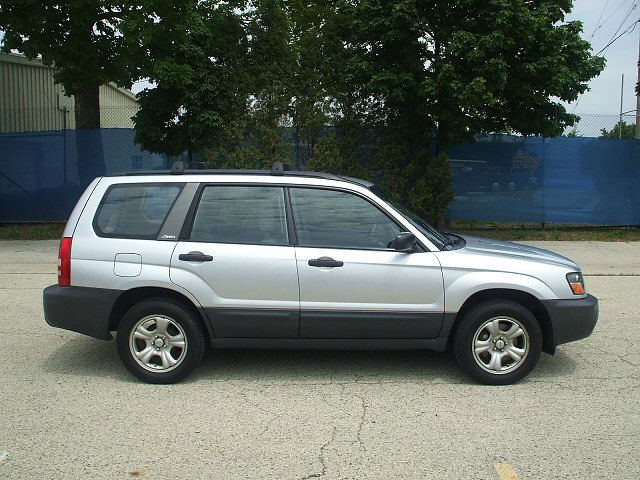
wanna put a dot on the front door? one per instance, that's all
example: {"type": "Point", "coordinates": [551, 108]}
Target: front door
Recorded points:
{"type": "Point", "coordinates": [352, 285]}
{"type": "Point", "coordinates": [238, 263]}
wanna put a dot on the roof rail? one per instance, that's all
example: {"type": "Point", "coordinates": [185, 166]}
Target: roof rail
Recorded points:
{"type": "Point", "coordinates": [278, 169]}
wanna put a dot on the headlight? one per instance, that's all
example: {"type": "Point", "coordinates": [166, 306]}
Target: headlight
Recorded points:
{"type": "Point", "coordinates": [576, 282]}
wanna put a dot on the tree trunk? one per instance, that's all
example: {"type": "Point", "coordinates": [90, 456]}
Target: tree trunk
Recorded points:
{"type": "Point", "coordinates": [90, 159]}
{"type": "Point", "coordinates": [88, 108]}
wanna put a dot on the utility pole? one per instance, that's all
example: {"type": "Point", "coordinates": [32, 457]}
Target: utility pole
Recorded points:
{"type": "Point", "coordinates": [638, 95]}
{"type": "Point", "coordinates": [621, 101]}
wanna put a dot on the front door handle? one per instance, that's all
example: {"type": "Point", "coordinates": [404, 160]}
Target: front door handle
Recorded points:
{"type": "Point", "coordinates": [325, 262]}
{"type": "Point", "coordinates": [195, 257]}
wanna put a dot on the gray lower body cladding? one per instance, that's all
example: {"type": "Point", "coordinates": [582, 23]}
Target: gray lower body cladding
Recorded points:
{"type": "Point", "coordinates": [323, 324]}
{"type": "Point", "coordinates": [573, 319]}
{"type": "Point", "coordinates": [80, 309]}
{"type": "Point", "coordinates": [87, 310]}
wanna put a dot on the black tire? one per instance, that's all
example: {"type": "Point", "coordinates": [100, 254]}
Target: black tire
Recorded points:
{"type": "Point", "coordinates": [180, 314]}
{"type": "Point", "coordinates": [463, 341]}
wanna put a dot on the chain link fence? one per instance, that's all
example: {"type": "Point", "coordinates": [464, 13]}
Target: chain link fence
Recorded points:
{"type": "Point", "coordinates": [14, 120]}
{"type": "Point", "coordinates": [592, 125]}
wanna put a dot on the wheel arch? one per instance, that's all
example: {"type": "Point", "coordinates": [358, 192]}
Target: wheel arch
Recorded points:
{"type": "Point", "coordinates": [129, 298]}
{"type": "Point", "coordinates": [525, 299]}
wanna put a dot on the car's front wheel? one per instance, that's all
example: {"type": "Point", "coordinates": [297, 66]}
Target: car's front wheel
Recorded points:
{"type": "Point", "coordinates": [498, 342]}
{"type": "Point", "coordinates": [160, 341]}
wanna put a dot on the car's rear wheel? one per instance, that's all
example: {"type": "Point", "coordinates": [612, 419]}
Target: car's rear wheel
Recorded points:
{"type": "Point", "coordinates": [160, 341]}
{"type": "Point", "coordinates": [498, 342]}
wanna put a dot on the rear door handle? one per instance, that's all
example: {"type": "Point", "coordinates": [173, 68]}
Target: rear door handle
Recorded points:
{"type": "Point", "coordinates": [325, 262]}
{"type": "Point", "coordinates": [195, 257]}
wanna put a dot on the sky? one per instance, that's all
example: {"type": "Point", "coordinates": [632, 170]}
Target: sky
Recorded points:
{"type": "Point", "coordinates": [601, 19]}
{"type": "Point", "coordinates": [622, 56]}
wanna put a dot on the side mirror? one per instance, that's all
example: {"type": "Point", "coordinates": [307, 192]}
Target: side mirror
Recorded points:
{"type": "Point", "coordinates": [404, 242]}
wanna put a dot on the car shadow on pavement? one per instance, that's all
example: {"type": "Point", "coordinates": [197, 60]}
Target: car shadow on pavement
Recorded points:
{"type": "Point", "coordinates": [325, 366]}
{"type": "Point", "coordinates": [82, 356]}
{"type": "Point", "coordinates": [560, 365]}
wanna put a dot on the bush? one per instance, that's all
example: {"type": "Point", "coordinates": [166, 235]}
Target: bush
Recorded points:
{"type": "Point", "coordinates": [433, 191]}
{"type": "Point", "coordinates": [329, 156]}
{"type": "Point", "coordinates": [326, 157]}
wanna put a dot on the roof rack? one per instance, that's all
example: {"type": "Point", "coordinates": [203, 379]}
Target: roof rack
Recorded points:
{"type": "Point", "coordinates": [278, 169]}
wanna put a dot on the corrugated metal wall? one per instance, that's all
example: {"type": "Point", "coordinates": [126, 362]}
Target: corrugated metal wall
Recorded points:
{"type": "Point", "coordinates": [30, 100]}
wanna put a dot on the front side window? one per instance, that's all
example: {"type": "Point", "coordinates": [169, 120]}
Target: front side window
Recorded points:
{"type": "Point", "coordinates": [241, 214]}
{"type": "Point", "coordinates": [135, 210]}
{"type": "Point", "coordinates": [331, 218]}
{"type": "Point", "coordinates": [438, 238]}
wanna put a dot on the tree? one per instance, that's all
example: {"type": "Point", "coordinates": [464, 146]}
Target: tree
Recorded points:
{"type": "Point", "coordinates": [429, 73]}
{"type": "Point", "coordinates": [79, 39]}
{"type": "Point", "coordinates": [271, 65]}
{"type": "Point", "coordinates": [572, 133]}
{"type": "Point", "coordinates": [311, 109]}
{"type": "Point", "coordinates": [628, 131]}
{"type": "Point", "coordinates": [196, 54]}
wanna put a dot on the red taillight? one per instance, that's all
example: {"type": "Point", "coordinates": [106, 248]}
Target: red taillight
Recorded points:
{"type": "Point", "coordinates": [64, 262]}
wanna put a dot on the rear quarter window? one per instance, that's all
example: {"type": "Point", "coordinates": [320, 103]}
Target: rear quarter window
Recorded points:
{"type": "Point", "coordinates": [134, 210]}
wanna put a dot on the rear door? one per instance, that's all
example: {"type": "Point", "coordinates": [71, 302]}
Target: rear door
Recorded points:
{"type": "Point", "coordinates": [238, 262]}
{"type": "Point", "coordinates": [352, 285]}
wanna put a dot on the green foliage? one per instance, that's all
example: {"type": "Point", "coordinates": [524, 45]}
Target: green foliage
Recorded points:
{"type": "Point", "coordinates": [466, 67]}
{"type": "Point", "coordinates": [328, 157]}
{"type": "Point", "coordinates": [78, 37]}
{"type": "Point", "coordinates": [196, 56]}
{"type": "Point", "coordinates": [628, 131]}
{"type": "Point", "coordinates": [271, 67]}
{"type": "Point", "coordinates": [434, 190]}
{"type": "Point", "coordinates": [311, 25]}
{"type": "Point", "coordinates": [426, 190]}
{"type": "Point", "coordinates": [256, 140]}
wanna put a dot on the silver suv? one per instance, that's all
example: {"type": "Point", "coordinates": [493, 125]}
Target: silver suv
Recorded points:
{"type": "Point", "coordinates": [175, 260]}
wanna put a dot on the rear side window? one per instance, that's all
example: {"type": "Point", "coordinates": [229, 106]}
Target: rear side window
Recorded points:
{"type": "Point", "coordinates": [135, 210]}
{"type": "Point", "coordinates": [241, 214]}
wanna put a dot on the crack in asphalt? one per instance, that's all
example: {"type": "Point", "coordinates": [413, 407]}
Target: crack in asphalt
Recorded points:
{"type": "Point", "coordinates": [321, 459]}
{"type": "Point", "coordinates": [363, 419]}
{"type": "Point", "coordinates": [615, 355]}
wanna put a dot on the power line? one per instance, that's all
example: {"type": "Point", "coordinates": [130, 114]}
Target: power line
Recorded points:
{"type": "Point", "coordinates": [613, 37]}
{"type": "Point", "coordinates": [610, 16]}
{"type": "Point", "coordinates": [599, 18]}
{"type": "Point", "coordinates": [630, 29]}
{"type": "Point", "coordinates": [600, 24]}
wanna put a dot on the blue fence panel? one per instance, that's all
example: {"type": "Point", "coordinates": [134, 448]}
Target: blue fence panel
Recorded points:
{"type": "Point", "coordinates": [39, 177]}
{"type": "Point", "coordinates": [498, 178]}
{"type": "Point", "coordinates": [556, 180]}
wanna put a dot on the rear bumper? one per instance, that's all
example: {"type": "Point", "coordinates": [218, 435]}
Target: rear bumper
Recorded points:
{"type": "Point", "coordinates": [80, 309]}
{"type": "Point", "coordinates": [572, 319]}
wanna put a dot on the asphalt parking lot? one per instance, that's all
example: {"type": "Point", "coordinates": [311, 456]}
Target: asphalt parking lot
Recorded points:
{"type": "Point", "coordinates": [68, 409]}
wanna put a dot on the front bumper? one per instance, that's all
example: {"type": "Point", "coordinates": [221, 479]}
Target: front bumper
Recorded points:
{"type": "Point", "coordinates": [572, 319]}
{"type": "Point", "coordinates": [80, 309]}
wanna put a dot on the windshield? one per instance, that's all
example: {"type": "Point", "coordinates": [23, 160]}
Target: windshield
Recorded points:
{"type": "Point", "coordinates": [438, 238]}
